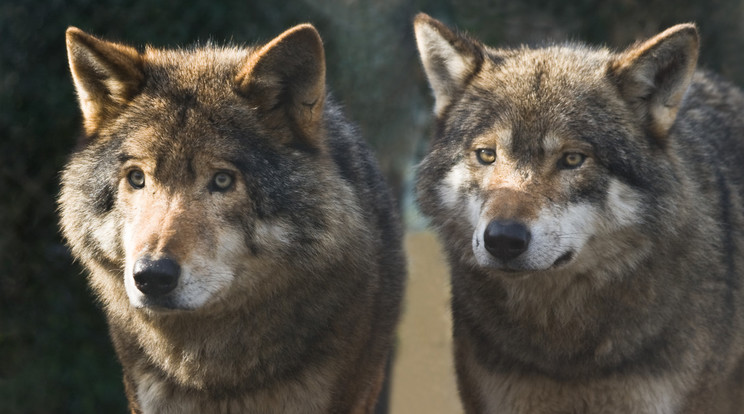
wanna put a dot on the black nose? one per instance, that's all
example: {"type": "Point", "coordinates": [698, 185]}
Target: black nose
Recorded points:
{"type": "Point", "coordinates": [156, 277]}
{"type": "Point", "coordinates": [506, 239]}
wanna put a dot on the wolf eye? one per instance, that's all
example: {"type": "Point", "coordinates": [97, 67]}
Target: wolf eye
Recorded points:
{"type": "Point", "coordinates": [222, 181]}
{"type": "Point", "coordinates": [485, 156]}
{"type": "Point", "coordinates": [572, 160]}
{"type": "Point", "coordinates": [136, 179]}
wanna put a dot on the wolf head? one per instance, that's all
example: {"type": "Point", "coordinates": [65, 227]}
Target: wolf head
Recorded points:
{"type": "Point", "coordinates": [550, 158]}
{"type": "Point", "coordinates": [193, 179]}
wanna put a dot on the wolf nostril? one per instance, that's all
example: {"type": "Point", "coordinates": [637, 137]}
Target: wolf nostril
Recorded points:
{"type": "Point", "coordinates": [156, 277]}
{"type": "Point", "coordinates": [506, 239]}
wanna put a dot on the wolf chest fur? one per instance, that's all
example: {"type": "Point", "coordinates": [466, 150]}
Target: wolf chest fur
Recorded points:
{"type": "Point", "coordinates": [591, 204]}
{"type": "Point", "coordinates": [237, 231]}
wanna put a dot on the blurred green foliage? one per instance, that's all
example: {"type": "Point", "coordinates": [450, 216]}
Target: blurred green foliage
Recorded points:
{"type": "Point", "coordinates": [55, 354]}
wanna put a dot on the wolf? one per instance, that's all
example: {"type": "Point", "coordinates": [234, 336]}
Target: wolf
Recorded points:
{"type": "Point", "coordinates": [239, 234]}
{"type": "Point", "coordinates": [591, 205]}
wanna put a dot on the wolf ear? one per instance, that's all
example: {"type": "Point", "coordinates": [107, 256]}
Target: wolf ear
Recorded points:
{"type": "Point", "coordinates": [654, 75]}
{"type": "Point", "coordinates": [449, 58]}
{"type": "Point", "coordinates": [106, 75]}
{"type": "Point", "coordinates": [285, 80]}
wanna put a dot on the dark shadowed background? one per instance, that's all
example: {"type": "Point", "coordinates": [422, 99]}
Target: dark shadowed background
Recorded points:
{"type": "Point", "coordinates": [55, 354]}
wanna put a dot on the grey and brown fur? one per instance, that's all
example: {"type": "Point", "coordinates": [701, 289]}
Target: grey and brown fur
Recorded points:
{"type": "Point", "coordinates": [591, 203]}
{"type": "Point", "coordinates": [238, 233]}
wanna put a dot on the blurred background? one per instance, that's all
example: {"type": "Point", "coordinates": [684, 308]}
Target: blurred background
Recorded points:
{"type": "Point", "coordinates": [55, 354]}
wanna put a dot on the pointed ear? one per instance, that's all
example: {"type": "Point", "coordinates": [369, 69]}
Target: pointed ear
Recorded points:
{"type": "Point", "coordinates": [106, 75]}
{"type": "Point", "coordinates": [654, 75]}
{"type": "Point", "coordinates": [449, 59]}
{"type": "Point", "coordinates": [285, 80]}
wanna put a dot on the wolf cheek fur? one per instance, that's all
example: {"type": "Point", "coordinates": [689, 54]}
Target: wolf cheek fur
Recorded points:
{"type": "Point", "coordinates": [243, 243]}
{"type": "Point", "coordinates": [591, 205]}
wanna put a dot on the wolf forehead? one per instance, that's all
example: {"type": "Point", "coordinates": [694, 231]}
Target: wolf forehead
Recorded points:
{"type": "Point", "coordinates": [573, 65]}
{"type": "Point", "coordinates": [194, 68]}
{"type": "Point", "coordinates": [533, 96]}
{"type": "Point", "coordinates": [534, 92]}
{"type": "Point", "coordinates": [200, 75]}
{"type": "Point", "coordinates": [188, 95]}
{"type": "Point", "coordinates": [531, 101]}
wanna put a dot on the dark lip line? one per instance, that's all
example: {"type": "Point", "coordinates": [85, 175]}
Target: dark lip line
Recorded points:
{"type": "Point", "coordinates": [165, 308]}
{"type": "Point", "coordinates": [563, 260]}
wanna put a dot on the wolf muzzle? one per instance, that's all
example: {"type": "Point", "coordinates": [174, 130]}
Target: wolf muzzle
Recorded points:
{"type": "Point", "coordinates": [156, 277]}
{"type": "Point", "coordinates": [506, 239]}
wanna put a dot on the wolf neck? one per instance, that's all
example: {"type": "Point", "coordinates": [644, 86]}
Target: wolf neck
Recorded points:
{"type": "Point", "coordinates": [253, 346]}
{"type": "Point", "coordinates": [558, 327]}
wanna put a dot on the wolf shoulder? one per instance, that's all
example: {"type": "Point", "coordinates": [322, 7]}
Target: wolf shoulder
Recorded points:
{"type": "Point", "coordinates": [712, 114]}
{"type": "Point", "coordinates": [357, 165]}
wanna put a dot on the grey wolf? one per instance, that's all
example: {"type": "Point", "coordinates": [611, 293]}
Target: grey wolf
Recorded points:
{"type": "Point", "coordinates": [243, 243]}
{"type": "Point", "coordinates": [591, 203]}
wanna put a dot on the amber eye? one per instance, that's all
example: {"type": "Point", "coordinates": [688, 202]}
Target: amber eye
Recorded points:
{"type": "Point", "coordinates": [485, 156]}
{"type": "Point", "coordinates": [136, 179]}
{"type": "Point", "coordinates": [572, 160]}
{"type": "Point", "coordinates": [222, 181]}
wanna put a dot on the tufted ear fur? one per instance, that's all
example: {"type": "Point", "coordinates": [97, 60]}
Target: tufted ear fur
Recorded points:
{"type": "Point", "coordinates": [285, 80]}
{"type": "Point", "coordinates": [449, 58]}
{"type": "Point", "coordinates": [106, 75]}
{"type": "Point", "coordinates": [653, 76]}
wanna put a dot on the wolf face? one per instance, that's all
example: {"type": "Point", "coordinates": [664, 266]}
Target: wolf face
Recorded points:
{"type": "Point", "coordinates": [180, 247]}
{"type": "Point", "coordinates": [193, 151]}
{"type": "Point", "coordinates": [541, 156]}
{"type": "Point", "coordinates": [539, 214]}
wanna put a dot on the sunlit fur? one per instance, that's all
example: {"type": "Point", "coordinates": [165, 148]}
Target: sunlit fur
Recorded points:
{"type": "Point", "coordinates": [287, 238]}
